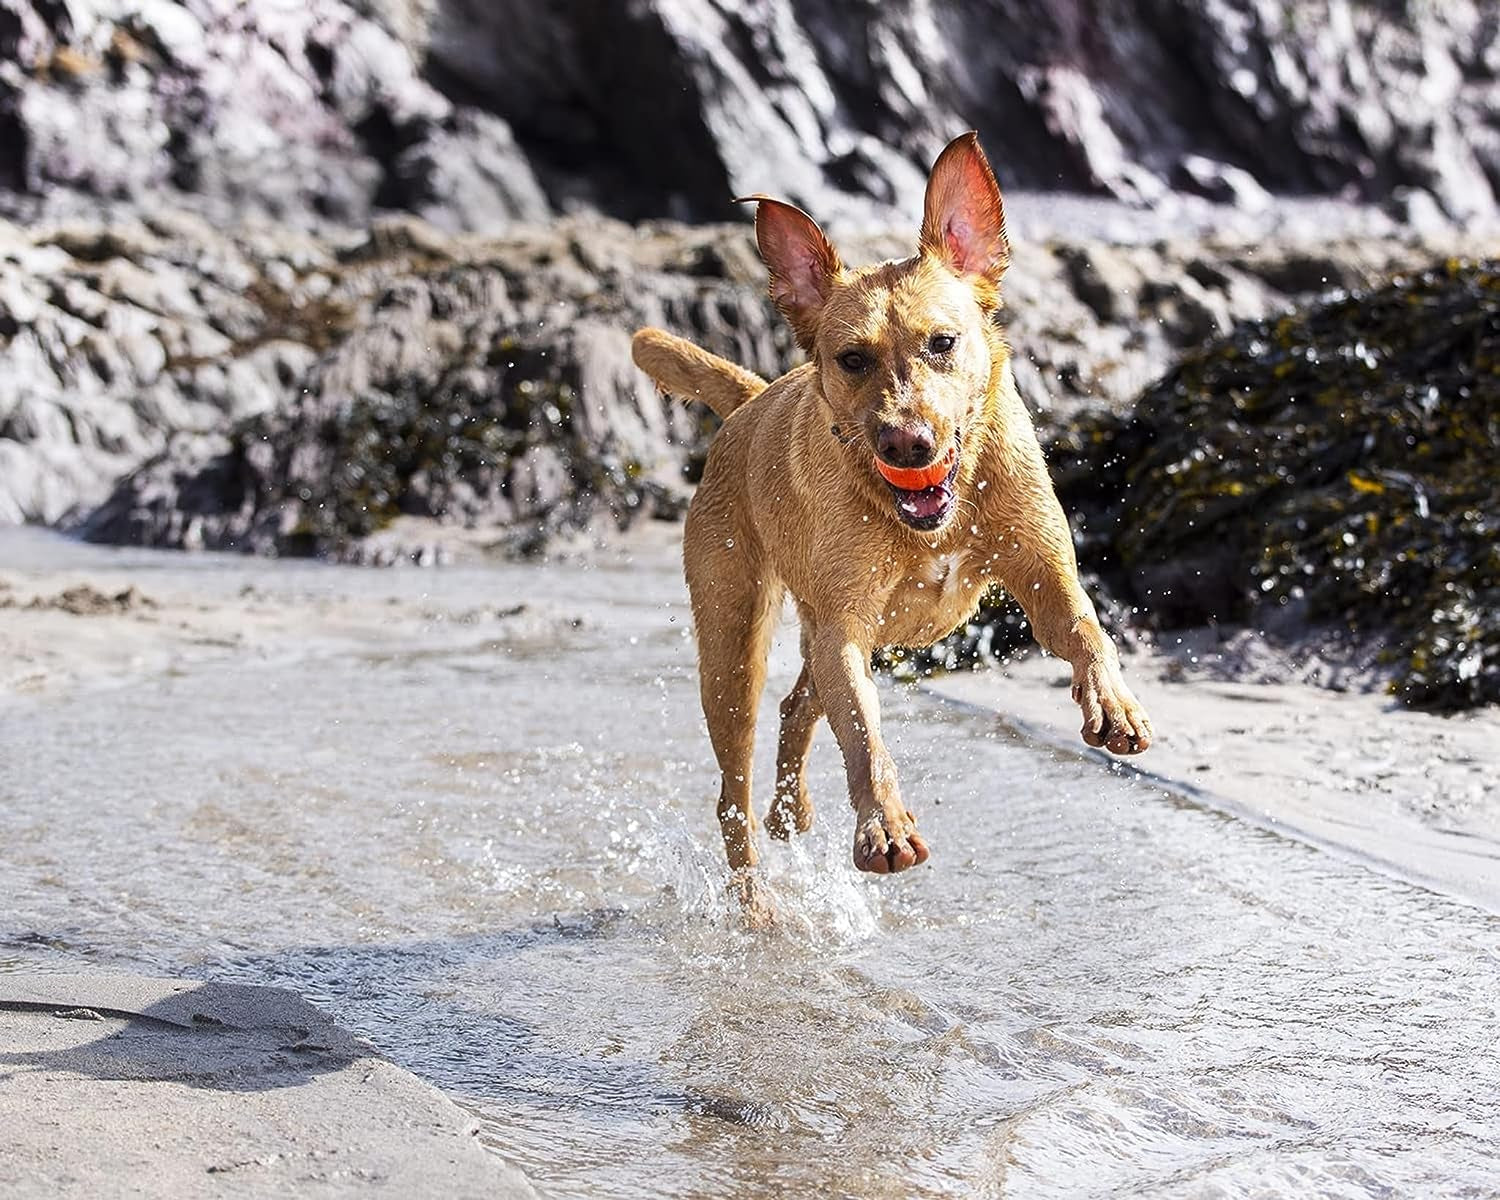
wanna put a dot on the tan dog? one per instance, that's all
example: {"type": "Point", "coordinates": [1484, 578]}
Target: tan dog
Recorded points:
{"type": "Point", "coordinates": [885, 484]}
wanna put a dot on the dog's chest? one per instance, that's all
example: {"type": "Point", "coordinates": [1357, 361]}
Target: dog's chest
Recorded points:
{"type": "Point", "coordinates": [933, 596]}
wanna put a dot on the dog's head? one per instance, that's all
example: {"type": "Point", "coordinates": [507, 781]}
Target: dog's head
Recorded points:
{"type": "Point", "coordinates": [905, 351]}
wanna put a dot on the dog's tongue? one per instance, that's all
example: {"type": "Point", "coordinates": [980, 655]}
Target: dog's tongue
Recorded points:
{"type": "Point", "coordinates": [929, 502]}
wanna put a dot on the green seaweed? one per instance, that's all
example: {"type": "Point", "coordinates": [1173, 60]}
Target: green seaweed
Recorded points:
{"type": "Point", "coordinates": [449, 451]}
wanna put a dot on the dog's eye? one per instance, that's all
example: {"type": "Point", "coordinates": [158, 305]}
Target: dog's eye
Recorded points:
{"type": "Point", "coordinates": [854, 361]}
{"type": "Point", "coordinates": [941, 343]}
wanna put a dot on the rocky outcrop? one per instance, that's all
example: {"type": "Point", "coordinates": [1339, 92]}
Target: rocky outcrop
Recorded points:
{"type": "Point", "coordinates": [111, 337]}
{"type": "Point", "coordinates": [192, 182]}
{"type": "Point", "coordinates": [831, 106]}
{"type": "Point", "coordinates": [168, 340]}
{"type": "Point", "coordinates": [481, 383]}
{"type": "Point", "coordinates": [304, 114]}
{"type": "Point", "coordinates": [474, 112]}
{"type": "Point", "coordinates": [343, 277]}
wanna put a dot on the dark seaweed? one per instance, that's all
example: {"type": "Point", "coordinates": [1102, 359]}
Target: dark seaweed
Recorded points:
{"type": "Point", "coordinates": [1330, 470]}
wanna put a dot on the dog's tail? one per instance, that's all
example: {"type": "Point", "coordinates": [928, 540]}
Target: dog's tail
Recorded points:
{"type": "Point", "coordinates": [690, 372]}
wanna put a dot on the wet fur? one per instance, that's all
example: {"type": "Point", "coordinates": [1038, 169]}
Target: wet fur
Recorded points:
{"type": "Point", "coordinates": [689, 372]}
{"type": "Point", "coordinates": [790, 503]}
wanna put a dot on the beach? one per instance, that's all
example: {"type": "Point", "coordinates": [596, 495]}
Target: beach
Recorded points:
{"type": "Point", "coordinates": [467, 813]}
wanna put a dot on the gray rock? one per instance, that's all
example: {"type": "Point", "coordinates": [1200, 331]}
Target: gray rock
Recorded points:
{"type": "Point", "coordinates": [469, 174]}
{"type": "Point", "coordinates": [1221, 182]}
{"type": "Point", "coordinates": [485, 384]}
{"type": "Point", "coordinates": [479, 383]}
{"type": "Point", "coordinates": [294, 113]}
{"type": "Point", "coordinates": [1102, 278]}
{"type": "Point", "coordinates": [1418, 210]}
{"type": "Point", "coordinates": [477, 112]}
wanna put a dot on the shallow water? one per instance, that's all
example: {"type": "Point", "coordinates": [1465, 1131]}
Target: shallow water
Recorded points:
{"type": "Point", "coordinates": [490, 847]}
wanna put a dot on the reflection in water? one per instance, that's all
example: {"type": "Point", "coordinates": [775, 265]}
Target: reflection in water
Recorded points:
{"type": "Point", "coordinates": [504, 870]}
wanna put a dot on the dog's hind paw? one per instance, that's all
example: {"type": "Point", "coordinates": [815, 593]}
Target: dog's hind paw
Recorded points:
{"type": "Point", "coordinates": [791, 812]}
{"type": "Point", "coordinates": [887, 841]}
{"type": "Point", "coordinates": [757, 906]}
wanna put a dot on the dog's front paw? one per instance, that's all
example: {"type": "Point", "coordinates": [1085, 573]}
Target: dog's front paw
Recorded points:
{"type": "Point", "coordinates": [1112, 717]}
{"type": "Point", "coordinates": [886, 841]}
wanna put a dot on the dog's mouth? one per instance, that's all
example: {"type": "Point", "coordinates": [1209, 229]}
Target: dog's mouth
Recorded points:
{"type": "Point", "coordinates": [927, 498]}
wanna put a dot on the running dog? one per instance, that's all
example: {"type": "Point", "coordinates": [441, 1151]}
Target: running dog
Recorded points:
{"type": "Point", "coordinates": [885, 484]}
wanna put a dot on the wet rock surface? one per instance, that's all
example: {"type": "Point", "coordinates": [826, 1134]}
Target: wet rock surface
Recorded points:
{"type": "Point", "coordinates": [478, 383]}
{"type": "Point", "coordinates": [472, 114]}
{"type": "Point", "coordinates": [297, 113]}
{"type": "Point", "coordinates": [293, 393]}
{"type": "Point", "coordinates": [1327, 474]}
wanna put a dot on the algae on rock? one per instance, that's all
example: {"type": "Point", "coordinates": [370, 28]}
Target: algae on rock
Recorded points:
{"type": "Point", "coordinates": [1329, 470]}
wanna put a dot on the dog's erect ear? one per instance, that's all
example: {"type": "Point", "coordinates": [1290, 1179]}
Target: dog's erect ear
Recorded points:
{"type": "Point", "coordinates": [963, 219]}
{"type": "Point", "coordinates": [803, 263]}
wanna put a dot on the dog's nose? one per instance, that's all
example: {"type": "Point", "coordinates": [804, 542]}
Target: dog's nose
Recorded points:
{"type": "Point", "coordinates": [906, 445]}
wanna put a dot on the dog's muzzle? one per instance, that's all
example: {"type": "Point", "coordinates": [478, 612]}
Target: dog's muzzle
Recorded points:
{"type": "Point", "coordinates": [924, 495]}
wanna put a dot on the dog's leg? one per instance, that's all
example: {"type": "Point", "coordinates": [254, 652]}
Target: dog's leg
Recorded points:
{"type": "Point", "coordinates": [732, 646]}
{"type": "Point", "coordinates": [800, 712]}
{"type": "Point", "coordinates": [1063, 618]}
{"type": "Point", "coordinates": [734, 612]}
{"type": "Point", "coordinates": [885, 833]}
{"type": "Point", "coordinates": [1039, 568]}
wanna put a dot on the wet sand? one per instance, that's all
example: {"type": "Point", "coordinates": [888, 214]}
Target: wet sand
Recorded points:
{"type": "Point", "coordinates": [1410, 794]}
{"type": "Point", "coordinates": [116, 1085]}
{"type": "Point", "coordinates": [1351, 771]}
{"type": "Point", "coordinates": [468, 813]}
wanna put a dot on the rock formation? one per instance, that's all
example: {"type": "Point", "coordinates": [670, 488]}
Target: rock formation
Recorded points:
{"type": "Point", "coordinates": [475, 112]}
{"type": "Point", "coordinates": [344, 277]}
{"type": "Point", "coordinates": [296, 394]}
